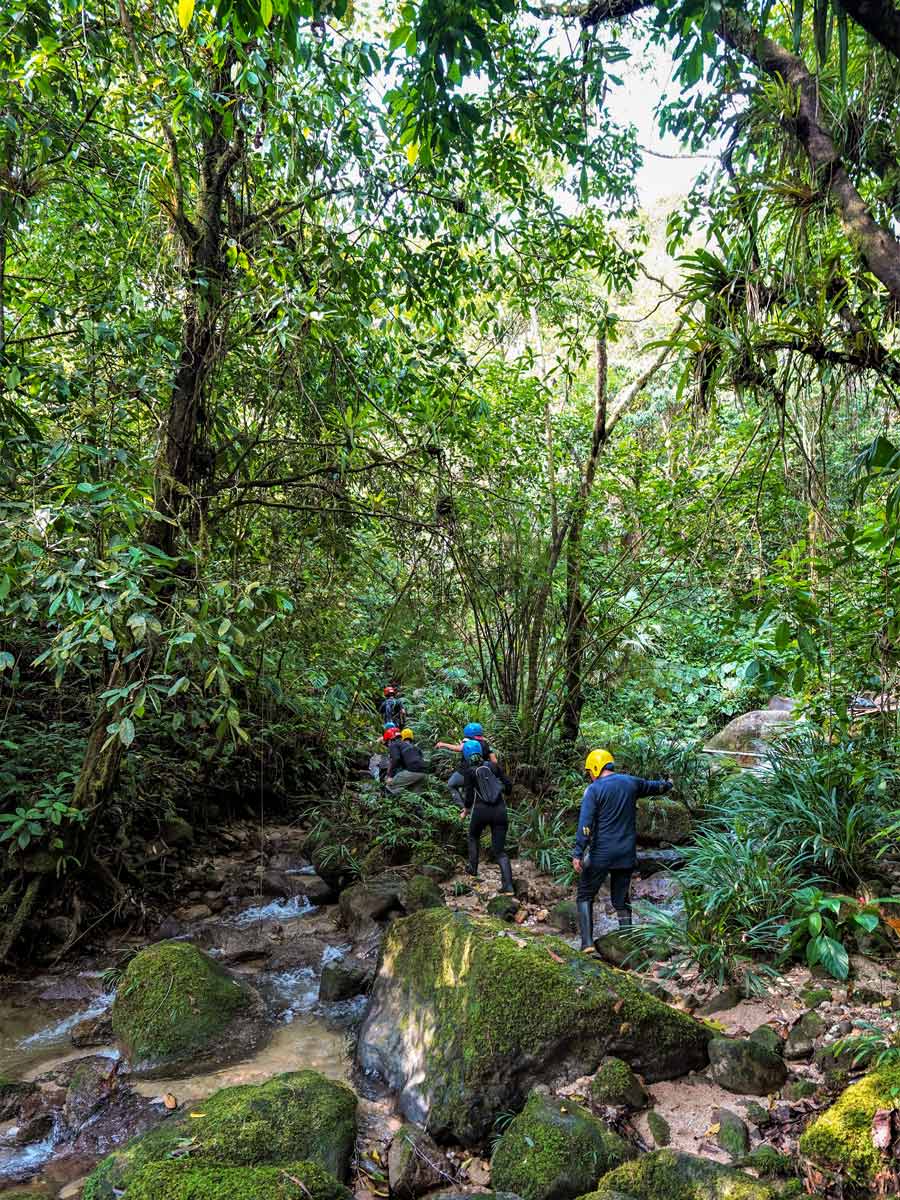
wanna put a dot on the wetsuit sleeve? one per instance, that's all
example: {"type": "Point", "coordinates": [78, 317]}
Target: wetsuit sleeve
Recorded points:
{"type": "Point", "coordinates": [469, 791]}
{"type": "Point", "coordinates": [395, 757]}
{"type": "Point", "coordinates": [585, 822]}
{"type": "Point", "coordinates": [653, 787]}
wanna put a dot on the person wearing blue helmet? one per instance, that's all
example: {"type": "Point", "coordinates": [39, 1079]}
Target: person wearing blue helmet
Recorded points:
{"type": "Point", "coordinates": [474, 732]}
{"type": "Point", "coordinates": [485, 787]}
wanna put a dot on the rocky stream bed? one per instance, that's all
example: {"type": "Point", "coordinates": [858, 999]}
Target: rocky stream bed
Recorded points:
{"type": "Point", "coordinates": [279, 1037]}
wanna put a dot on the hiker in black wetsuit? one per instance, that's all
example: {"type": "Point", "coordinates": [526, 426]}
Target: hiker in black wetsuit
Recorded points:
{"type": "Point", "coordinates": [391, 708]}
{"type": "Point", "coordinates": [484, 789]}
{"type": "Point", "coordinates": [473, 732]}
{"type": "Point", "coordinates": [408, 769]}
{"type": "Point", "coordinates": [607, 826]}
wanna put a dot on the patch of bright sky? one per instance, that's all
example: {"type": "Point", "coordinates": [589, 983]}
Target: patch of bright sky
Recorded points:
{"type": "Point", "coordinates": [647, 77]}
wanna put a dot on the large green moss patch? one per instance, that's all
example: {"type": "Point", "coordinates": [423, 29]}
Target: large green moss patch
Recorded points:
{"type": "Point", "coordinates": [183, 1181]}
{"type": "Point", "coordinates": [300, 1116]}
{"type": "Point", "coordinates": [674, 1175]}
{"type": "Point", "coordinates": [840, 1140]}
{"type": "Point", "coordinates": [173, 1001]}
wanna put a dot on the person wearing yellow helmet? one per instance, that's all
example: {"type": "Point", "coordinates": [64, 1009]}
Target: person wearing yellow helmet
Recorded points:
{"type": "Point", "coordinates": [607, 827]}
{"type": "Point", "coordinates": [408, 769]}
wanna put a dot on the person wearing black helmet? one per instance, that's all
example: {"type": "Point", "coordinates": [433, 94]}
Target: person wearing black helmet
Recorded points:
{"type": "Point", "coordinates": [484, 791]}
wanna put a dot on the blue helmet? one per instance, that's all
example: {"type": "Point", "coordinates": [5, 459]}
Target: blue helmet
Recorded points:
{"type": "Point", "coordinates": [471, 749]}
{"type": "Point", "coordinates": [390, 725]}
{"type": "Point", "coordinates": [472, 730]}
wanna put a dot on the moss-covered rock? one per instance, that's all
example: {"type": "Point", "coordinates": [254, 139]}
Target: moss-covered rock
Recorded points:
{"type": "Point", "coordinates": [840, 1140]}
{"type": "Point", "coordinates": [801, 1041]}
{"type": "Point", "coordinates": [674, 1175]}
{"type": "Point", "coordinates": [554, 1150]}
{"type": "Point", "coordinates": [505, 907]}
{"type": "Point", "coordinates": [301, 1116]}
{"type": "Point", "coordinates": [768, 1037]}
{"type": "Point", "coordinates": [564, 916]}
{"type": "Point", "coordinates": [466, 1017]}
{"type": "Point", "coordinates": [660, 819]}
{"type": "Point", "coordinates": [176, 1006]}
{"type": "Point", "coordinates": [835, 1064]}
{"type": "Point", "coordinates": [177, 831]}
{"type": "Point", "coordinates": [745, 1066]}
{"type": "Point", "coordinates": [422, 892]}
{"type": "Point", "coordinates": [616, 1083]}
{"type": "Point", "coordinates": [415, 1164]}
{"type": "Point", "coordinates": [732, 1134]}
{"type": "Point", "coordinates": [768, 1162]}
{"type": "Point", "coordinates": [183, 1180]}
{"type": "Point", "coordinates": [813, 997]}
{"type": "Point", "coordinates": [798, 1089]}
{"type": "Point", "coordinates": [659, 1128]}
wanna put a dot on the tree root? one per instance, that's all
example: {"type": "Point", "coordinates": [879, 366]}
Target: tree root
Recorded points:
{"type": "Point", "coordinates": [23, 912]}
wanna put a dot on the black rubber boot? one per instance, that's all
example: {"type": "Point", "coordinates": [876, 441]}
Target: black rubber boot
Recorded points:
{"type": "Point", "coordinates": [624, 915]}
{"type": "Point", "coordinates": [586, 926]}
{"type": "Point", "coordinates": [506, 879]}
{"type": "Point", "coordinates": [472, 867]}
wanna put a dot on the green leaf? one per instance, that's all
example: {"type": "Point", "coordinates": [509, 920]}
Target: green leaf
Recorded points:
{"type": "Point", "coordinates": [185, 12]}
{"type": "Point", "coordinates": [265, 11]}
{"type": "Point", "coordinates": [814, 923]}
{"type": "Point", "coordinates": [867, 920]}
{"type": "Point", "coordinates": [126, 731]}
{"type": "Point", "coordinates": [833, 957]}
{"type": "Point", "coordinates": [840, 14]}
{"type": "Point", "coordinates": [798, 25]}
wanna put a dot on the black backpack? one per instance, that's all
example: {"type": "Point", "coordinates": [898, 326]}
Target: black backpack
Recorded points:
{"type": "Point", "coordinates": [392, 708]}
{"type": "Point", "coordinates": [488, 786]}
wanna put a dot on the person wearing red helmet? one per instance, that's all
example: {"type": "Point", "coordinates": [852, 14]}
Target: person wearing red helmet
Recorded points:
{"type": "Point", "coordinates": [391, 707]}
{"type": "Point", "coordinates": [380, 763]}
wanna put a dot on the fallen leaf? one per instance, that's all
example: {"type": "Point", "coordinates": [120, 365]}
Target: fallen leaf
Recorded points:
{"type": "Point", "coordinates": [553, 955]}
{"type": "Point", "coordinates": [169, 1101]}
{"type": "Point", "coordinates": [619, 1005]}
{"type": "Point", "coordinates": [883, 1129]}
{"type": "Point", "coordinates": [520, 917]}
{"type": "Point", "coordinates": [713, 1130]}
{"type": "Point", "coordinates": [198, 1114]}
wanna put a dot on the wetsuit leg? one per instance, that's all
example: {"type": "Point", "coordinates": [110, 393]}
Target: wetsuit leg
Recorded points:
{"type": "Point", "coordinates": [620, 892]}
{"type": "Point", "coordinates": [499, 825]}
{"type": "Point", "coordinates": [476, 825]}
{"type": "Point", "coordinates": [589, 883]}
{"type": "Point", "coordinates": [455, 784]}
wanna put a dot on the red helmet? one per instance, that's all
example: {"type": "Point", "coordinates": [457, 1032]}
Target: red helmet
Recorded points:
{"type": "Point", "coordinates": [390, 691]}
{"type": "Point", "coordinates": [390, 734]}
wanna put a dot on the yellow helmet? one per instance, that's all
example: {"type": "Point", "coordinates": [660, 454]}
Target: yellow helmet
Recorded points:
{"type": "Point", "coordinates": [596, 761]}
{"type": "Point", "coordinates": [407, 735]}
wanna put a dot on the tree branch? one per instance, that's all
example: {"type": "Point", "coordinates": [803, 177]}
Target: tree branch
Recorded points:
{"type": "Point", "coordinates": [880, 19]}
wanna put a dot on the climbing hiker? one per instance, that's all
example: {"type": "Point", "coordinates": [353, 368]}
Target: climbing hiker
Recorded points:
{"type": "Point", "coordinates": [474, 732]}
{"type": "Point", "coordinates": [607, 828]}
{"type": "Point", "coordinates": [391, 708]}
{"type": "Point", "coordinates": [484, 790]}
{"type": "Point", "coordinates": [408, 769]}
{"type": "Point", "coordinates": [379, 763]}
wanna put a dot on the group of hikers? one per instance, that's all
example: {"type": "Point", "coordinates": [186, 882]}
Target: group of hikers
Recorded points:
{"type": "Point", "coordinates": [606, 842]}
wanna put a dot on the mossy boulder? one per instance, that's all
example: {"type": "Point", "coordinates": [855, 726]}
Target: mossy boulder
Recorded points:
{"type": "Point", "coordinates": [564, 916]}
{"type": "Point", "coordinates": [467, 1016]}
{"type": "Point", "coordinates": [675, 1175]}
{"type": "Point", "coordinates": [732, 1134]}
{"type": "Point", "coordinates": [504, 907]}
{"type": "Point", "coordinates": [554, 1150]}
{"type": "Point", "coordinates": [176, 1007]}
{"type": "Point", "coordinates": [415, 1164]}
{"type": "Point", "coordinates": [616, 1083]}
{"type": "Point", "coordinates": [182, 1180]}
{"type": "Point", "coordinates": [296, 1117]}
{"type": "Point", "coordinates": [745, 1066]}
{"type": "Point", "coordinates": [422, 892]}
{"type": "Point", "coordinates": [801, 1041]}
{"type": "Point", "coordinates": [839, 1142]}
{"type": "Point", "coordinates": [661, 820]}
{"type": "Point", "coordinates": [659, 1128]}
{"type": "Point", "coordinates": [177, 831]}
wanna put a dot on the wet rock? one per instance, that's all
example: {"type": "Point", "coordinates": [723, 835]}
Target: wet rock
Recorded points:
{"type": "Point", "coordinates": [768, 1037]}
{"type": "Point", "coordinates": [176, 1007]}
{"type": "Point", "coordinates": [366, 903]}
{"type": "Point", "coordinates": [92, 1031]}
{"type": "Point", "coordinates": [314, 888]}
{"type": "Point", "coordinates": [65, 1167]}
{"type": "Point", "coordinates": [306, 950]}
{"type": "Point", "coordinates": [416, 1165]}
{"type": "Point", "coordinates": [747, 737]}
{"type": "Point", "coordinates": [662, 820]}
{"type": "Point", "coordinates": [744, 1066]}
{"type": "Point", "coordinates": [58, 929]}
{"type": "Point", "coordinates": [421, 892]}
{"type": "Point", "coordinates": [343, 978]}
{"type": "Point", "coordinates": [92, 1083]}
{"type": "Point", "coordinates": [659, 1128]}
{"type": "Point", "coordinates": [177, 832]}
{"type": "Point", "coordinates": [274, 883]}
{"type": "Point", "coordinates": [291, 1118]}
{"type": "Point", "coordinates": [190, 913]}
{"type": "Point", "coordinates": [854, 1140]}
{"type": "Point", "coordinates": [33, 1128]}
{"type": "Point", "coordinates": [520, 1010]}
{"type": "Point", "coordinates": [732, 1136]}
{"type": "Point", "coordinates": [729, 997]}
{"type": "Point", "coordinates": [554, 1150]}
{"type": "Point", "coordinates": [564, 916]}
{"type": "Point", "coordinates": [676, 1175]}
{"type": "Point", "coordinates": [504, 907]}
{"type": "Point", "coordinates": [235, 945]}
{"type": "Point", "coordinates": [71, 989]}
{"type": "Point", "coordinates": [615, 1083]}
{"type": "Point", "coordinates": [13, 1093]}
{"type": "Point", "coordinates": [649, 861]}
{"type": "Point", "coordinates": [801, 1040]}
{"type": "Point", "coordinates": [614, 949]}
